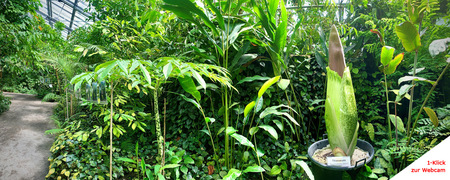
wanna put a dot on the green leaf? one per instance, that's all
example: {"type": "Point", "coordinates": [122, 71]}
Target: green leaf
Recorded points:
{"type": "Point", "coordinates": [146, 74]}
{"type": "Point", "coordinates": [248, 108]}
{"type": "Point", "coordinates": [253, 78]}
{"type": "Point", "coordinates": [378, 171]}
{"type": "Point", "coordinates": [169, 166]}
{"type": "Point", "coordinates": [190, 100]}
{"type": "Point", "coordinates": [126, 160]}
{"type": "Point", "coordinates": [394, 63]}
{"type": "Point", "coordinates": [230, 130]}
{"type": "Point", "coordinates": [432, 115]}
{"type": "Point", "coordinates": [283, 83]}
{"type": "Point", "coordinates": [409, 36]}
{"type": "Point", "coordinates": [275, 170]}
{"type": "Point", "coordinates": [279, 125]}
{"type": "Point", "coordinates": [199, 79]}
{"type": "Point", "coordinates": [267, 84]}
{"type": "Point", "coordinates": [188, 85]}
{"type": "Point", "coordinates": [387, 53]}
{"type": "Point", "coordinates": [414, 78]}
{"type": "Point", "coordinates": [167, 69]}
{"type": "Point", "coordinates": [232, 174]}
{"type": "Point", "coordinates": [254, 169]}
{"type": "Point", "coordinates": [188, 160]}
{"type": "Point", "coordinates": [399, 124]}
{"type": "Point", "coordinates": [242, 140]}
{"type": "Point", "coordinates": [253, 130]}
{"type": "Point", "coordinates": [371, 131]}
{"type": "Point", "coordinates": [105, 71]}
{"type": "Point", "coordinates": [184, 169]}
{"type": "Point", "coordinates": [305, 167]}
{"type": "Point", "coordinates": [270, 130]}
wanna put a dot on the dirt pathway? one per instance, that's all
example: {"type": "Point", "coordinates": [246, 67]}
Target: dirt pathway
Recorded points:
{"type": "Point", "coordinates": [24, 148]}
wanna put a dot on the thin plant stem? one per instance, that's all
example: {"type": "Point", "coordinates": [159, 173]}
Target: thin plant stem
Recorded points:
{"type": "Point", "coordinates": [164, 139]}
{"type": "Point", "coordinates": [111, 132]}
{"type": "Point", "coordinates": [387, 107]}
{"type": "Point", "coordinates": [425, 101]}
{"type": "Point", "coordinates": [396, 129]}
{"type": "Point", "coordinates": [412, 95]}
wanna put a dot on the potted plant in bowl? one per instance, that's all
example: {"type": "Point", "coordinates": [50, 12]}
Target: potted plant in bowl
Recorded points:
{"type": "Point", "coordinates": [341, 121]}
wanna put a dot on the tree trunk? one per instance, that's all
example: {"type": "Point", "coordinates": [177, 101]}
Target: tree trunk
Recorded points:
{"type": "Point", "coordinates": [158, 124]}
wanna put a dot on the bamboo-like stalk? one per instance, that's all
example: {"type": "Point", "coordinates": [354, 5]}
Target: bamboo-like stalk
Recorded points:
{"type": "Point", "coordinates": [111, 133]}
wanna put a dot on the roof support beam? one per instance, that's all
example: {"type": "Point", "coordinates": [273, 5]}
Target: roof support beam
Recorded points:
{"type": "Point", "coordinates": [53, 20]}
{"type": "Point", "coordinates": [73, 13]}
{"type": "Point", "coordinates": [50, 11]}
{"type": "Point", "coordinates": [72, 5]}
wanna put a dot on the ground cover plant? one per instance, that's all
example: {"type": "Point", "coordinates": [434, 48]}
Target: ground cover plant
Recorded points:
{"type": "Point", "coordinates": [215, 89]}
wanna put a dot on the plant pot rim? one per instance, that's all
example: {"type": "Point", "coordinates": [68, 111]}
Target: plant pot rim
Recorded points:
{"type": "Point", "coordinates": [364, 145]}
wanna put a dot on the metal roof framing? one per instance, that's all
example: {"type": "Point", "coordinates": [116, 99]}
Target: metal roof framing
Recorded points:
{"type": "Point", "coordinates": [69, 12]}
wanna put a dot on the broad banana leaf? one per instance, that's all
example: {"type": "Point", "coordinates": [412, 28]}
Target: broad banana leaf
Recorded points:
{"type": "Point", "coordinates": [341, 116]}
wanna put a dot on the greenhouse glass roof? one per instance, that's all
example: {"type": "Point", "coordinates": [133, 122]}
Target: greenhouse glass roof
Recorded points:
{"type": "Point", "coordinates": [73, 13]}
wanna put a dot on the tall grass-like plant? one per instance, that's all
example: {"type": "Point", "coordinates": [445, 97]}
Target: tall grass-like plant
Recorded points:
{"type": "Point", "coordinates": [341, 116]}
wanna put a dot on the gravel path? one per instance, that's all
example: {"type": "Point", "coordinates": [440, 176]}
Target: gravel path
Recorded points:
{"type": "Point", "coordinates": [24, 148]}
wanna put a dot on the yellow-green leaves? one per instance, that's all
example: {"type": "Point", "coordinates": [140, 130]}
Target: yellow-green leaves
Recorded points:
{"type": "Point", "coordinates": [409, 36]}
{"type": "Point", "coordinates": [432, 115]}
{"type": "Point", "coordinates": [267, 84]}
{"type": "Point", "coordinates": [389, 65]}
{"type": "Point", "coordinates": [387, 53]}
{"type": "Point", "coordinates": [248, 108]}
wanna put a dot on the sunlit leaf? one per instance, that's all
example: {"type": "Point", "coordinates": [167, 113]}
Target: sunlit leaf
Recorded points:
{"type": "Point", "coordinates": [270, 130]}
{"type": "Point", "coordinates": [432, 115]}
{"type": "Point", "coordinates": [267, 84]}
{"type": "Point", "coordinates": [387, 53]}
{"type": "Point", "coordinates": [409, 36]}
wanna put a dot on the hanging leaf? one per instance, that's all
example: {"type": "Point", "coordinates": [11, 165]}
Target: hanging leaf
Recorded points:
{"type": "Point", "coordinates": [167, 69]}
{"type": "Point", "coordinates": [409, 36]}
{"type": "Point", "coordinates": [188, 85]}
{"type": "Point", "coordinates": [270, 130]}
{"type": "Point", "coordinates": [253, 78]}
{"type": "Point", "coordinates": [242, 140]}
{"type": "Point", "coordinates": [432, 115]}
{"type": "Point", "coordinates": [253, 130]}
{"type": "Point", "coordinates": [267, 84]}
{"type": "Point", "coordinates": [371, 131]}
{"type": "Point", "coordinates": [283, 83]}
{"type": "Point", "coordinates": [279, 125]}
{"type": "Point", "coordinates": [146, 74]}
{"type": "Point", "coordinates": [199, 79]}
{"type": "Point", "coordinates": [414, 78]}
{"type": "Point", "coordinates": [306, 168]}
{"type": "Point", "coordinates": [248, 108]}
{"type": "Point", "coordinates": [399, 124]}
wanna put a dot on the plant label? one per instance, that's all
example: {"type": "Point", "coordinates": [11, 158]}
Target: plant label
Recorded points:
{"type": "Point", "coordinates": [343, 161]}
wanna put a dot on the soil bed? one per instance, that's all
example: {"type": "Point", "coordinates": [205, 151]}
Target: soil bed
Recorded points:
{"type": "Point", "coordinates": [321, 155]}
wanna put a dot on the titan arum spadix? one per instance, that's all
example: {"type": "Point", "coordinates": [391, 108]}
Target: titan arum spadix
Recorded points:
{"type": "Point", "coordinates": [341, 116]}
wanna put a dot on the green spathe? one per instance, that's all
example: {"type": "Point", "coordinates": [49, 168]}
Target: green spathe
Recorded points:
{"type": "Point", "coordinates": [341, 116]}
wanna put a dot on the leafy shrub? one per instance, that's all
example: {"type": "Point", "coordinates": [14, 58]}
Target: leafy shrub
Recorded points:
{"type": "Point", "coordinates": [51, 97]}
{"type": "Point", "coordinates": [4, 103]}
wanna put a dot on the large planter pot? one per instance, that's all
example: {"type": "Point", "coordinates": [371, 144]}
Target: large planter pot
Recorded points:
{"type": "Point", "coordinates": [321, 171]}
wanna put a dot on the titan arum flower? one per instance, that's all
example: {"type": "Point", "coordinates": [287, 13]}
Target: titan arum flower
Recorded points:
{"type": "Point", "coordinates": [341, 116]}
